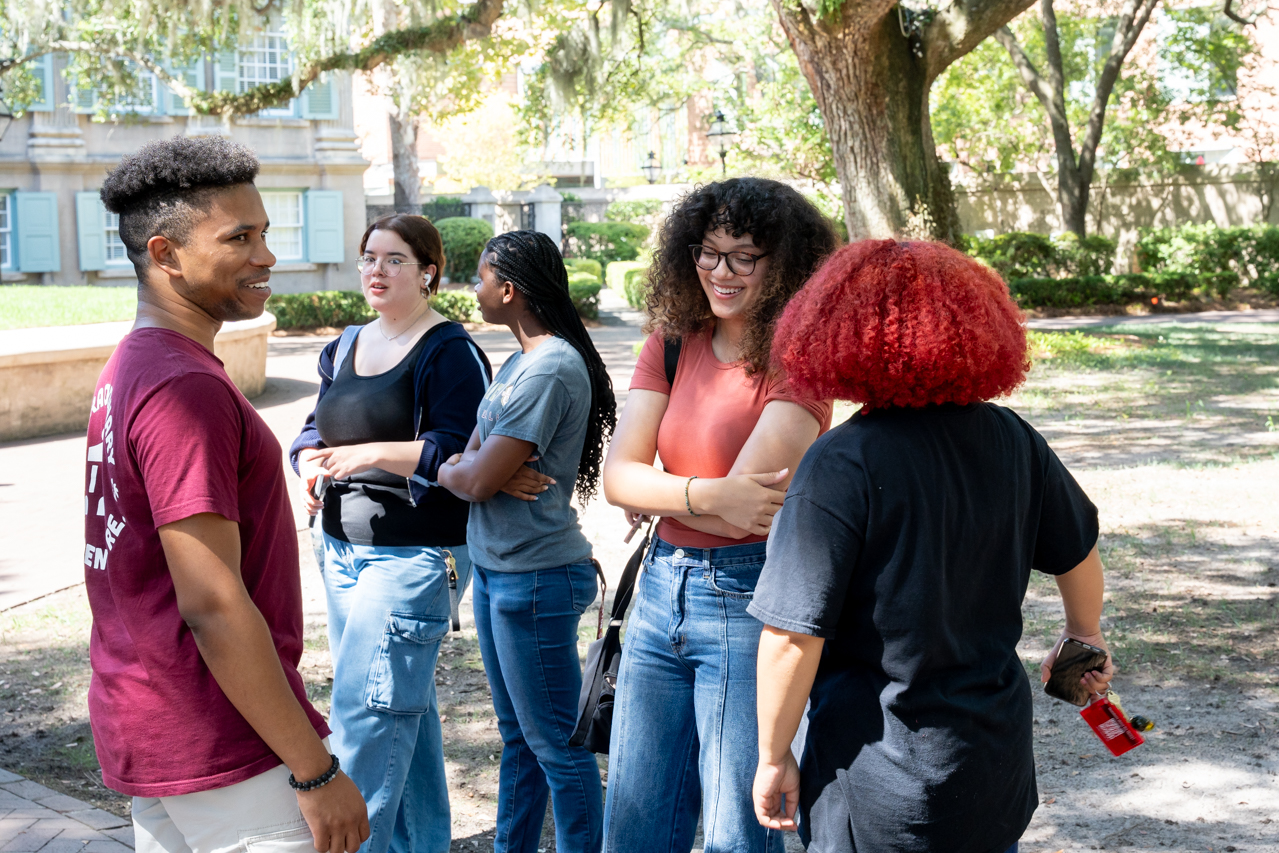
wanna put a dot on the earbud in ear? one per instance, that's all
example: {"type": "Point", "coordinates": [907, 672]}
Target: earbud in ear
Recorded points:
{"type": "Point", "coordinates": [428, 280]}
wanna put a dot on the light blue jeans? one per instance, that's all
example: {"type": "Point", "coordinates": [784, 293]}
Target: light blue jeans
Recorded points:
{"type": "Point", "coordinates": [388, 611]}
{"type": "Point", "coordinates": [527, 625]}
{"type": "Point", "coordinates": [684, 733]}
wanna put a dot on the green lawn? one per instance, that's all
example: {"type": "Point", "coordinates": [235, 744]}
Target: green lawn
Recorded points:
{"type": "Point", "coordinates": [25, 306]}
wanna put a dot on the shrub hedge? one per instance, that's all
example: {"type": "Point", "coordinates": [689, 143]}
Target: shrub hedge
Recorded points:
{"type": "Point", "coordinates": [1225, 257]}
{"type": "Point", "coordinates": [629, 211]}
{"type": "Point", "coordinates": [585, 296]}
{"type": "Point", "coordinates": [347, 307]}
{"type": "Point", "coordinates": [595, 268]}
{"type": "Point", "coordinates": [1023, 254]}
{"type": "Point", "coordinates": [629, 278]}
{"type": "Point", "coordinates": [457, 305]}
{"type": "Point", "coordinates": [327, 308]}
{"type": "Point", "coordinates": [606, 241]}
{"type": "Point", "coordinates": [1082, 291]}
{"type": "Point", "coordinates": [464, 239]}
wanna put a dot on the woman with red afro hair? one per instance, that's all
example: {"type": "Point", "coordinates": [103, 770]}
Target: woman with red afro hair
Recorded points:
{"type": "Point", "coordinates": [891, 594]}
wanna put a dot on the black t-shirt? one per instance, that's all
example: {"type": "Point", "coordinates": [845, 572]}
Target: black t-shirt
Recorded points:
{"type": "Point", "coordinates": [374, 507]}
{"type": "Point", "coordinates": [906, 540]}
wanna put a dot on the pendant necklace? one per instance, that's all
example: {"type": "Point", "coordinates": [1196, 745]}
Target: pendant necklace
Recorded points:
{"type": "Point", "coordinates": [392, 338]}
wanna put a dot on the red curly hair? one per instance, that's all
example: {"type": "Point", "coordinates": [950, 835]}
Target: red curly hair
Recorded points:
{"type": "Point", "coordinates": [885, 323]}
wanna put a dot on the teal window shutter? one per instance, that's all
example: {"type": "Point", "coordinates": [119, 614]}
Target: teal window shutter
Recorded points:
{"type": "Point", "coordinates": [325, 234]}
{"type": "Point", "coordinates": [84, 100]}
{"type": "Point", "coordinates": [227, 71]}
{"type": "Point", "coordinates": [193, 76]}
{"type": "Point", "coordinates": [42, 68]}
{"type": "Point", "coordinates": [319, 101]}
{"type": "Point", "coordinates": [36, 225]}
{"type": "Point", "coordinates": [91, 231]}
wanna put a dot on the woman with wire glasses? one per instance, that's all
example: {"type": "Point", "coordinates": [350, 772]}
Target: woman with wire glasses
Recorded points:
{"type": "Point", "coordinates": [729, 432]}
{"type": "Point", "coordinates": [398, 396]}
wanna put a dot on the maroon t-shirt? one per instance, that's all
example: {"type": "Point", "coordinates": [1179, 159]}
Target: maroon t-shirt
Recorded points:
{"type": "Point", "coordinates": [170, 436]}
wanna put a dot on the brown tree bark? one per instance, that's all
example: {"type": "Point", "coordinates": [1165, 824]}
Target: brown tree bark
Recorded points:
{"type": "Point", "coordinates": [404, 163]}
{"type": "Point", "coordinates": [871, 66]}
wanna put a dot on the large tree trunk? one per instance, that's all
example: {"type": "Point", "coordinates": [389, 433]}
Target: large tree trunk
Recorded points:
{"type": "Point", "coordinates": [871, 82]}
{"type": "Point", "coordinates": [404, 164]}
{"type": "Point", "coordinates": [873, 94]}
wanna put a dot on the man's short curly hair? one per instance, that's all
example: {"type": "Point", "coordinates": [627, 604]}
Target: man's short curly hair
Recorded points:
{"type": "Point", "coordinates": [164, 187]}
{"type": "Point", "coordinates": [902, 324]}
{"type": "Point", "coordinates": [781, 222]}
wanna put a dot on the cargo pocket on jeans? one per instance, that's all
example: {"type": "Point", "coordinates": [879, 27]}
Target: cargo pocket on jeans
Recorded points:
{"type": "Point", "coordinates": [404, 671]}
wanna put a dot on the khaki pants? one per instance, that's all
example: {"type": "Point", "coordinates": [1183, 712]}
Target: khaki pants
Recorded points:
{"type": "Point", "coordinates": [258, 815]}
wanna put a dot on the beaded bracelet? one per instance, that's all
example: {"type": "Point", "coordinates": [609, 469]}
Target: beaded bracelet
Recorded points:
{"type": "Point", "coordinates": [320, 781]}
{"type": "Point", "coordinates": [687, 504]}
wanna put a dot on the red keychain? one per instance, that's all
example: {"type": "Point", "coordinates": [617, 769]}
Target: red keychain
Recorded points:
{"type": "Point", "coordinates": [1108, 720]}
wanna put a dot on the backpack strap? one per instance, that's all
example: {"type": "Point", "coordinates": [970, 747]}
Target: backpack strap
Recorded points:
{"type": "Point", "coordinates": [670, 352]}
{"type": "Point", "coordinates": [345, 343]}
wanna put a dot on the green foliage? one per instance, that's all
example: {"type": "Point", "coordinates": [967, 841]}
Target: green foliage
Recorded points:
{"type": "Point", "coordinates": [28, 306]}
{"type": "Point", "coordinates": [585, 295]}
{"type": "Point", "coordinates": [629, 279]}
{"type": "Point", "coordinates": [606, 241]}
{"type": "Point", "coordinates": [630, 211]}
{"type": "Point", "coordinates": [113, 43]}
{"type": "Point", "coordinates": [1126, 289]}
{"type": "Point", "coordinates": [338, 308]}
{"type": "Point", "coordinates": [335, 308]}
{"type": "Point", "coordinates": [586, 265]}
{"type": "Point", "coordinates": [1093, 255]}
{"type": "Point", "coordinates": [1247, 255]}
{"type": "Point", "coordinates": [456, 305]}
{"type": "Point", "coordinates": [464, 239]}
{"type": "Point", "coordinates": [984, 118]}
{"type": "Point", "coordinates": [1023, 254]}
{"type": "Point", "coordinates": [635, 287]}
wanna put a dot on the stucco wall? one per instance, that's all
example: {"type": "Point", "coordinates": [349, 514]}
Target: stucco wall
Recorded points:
{"type": "Point", "coordinates": [48, 376]}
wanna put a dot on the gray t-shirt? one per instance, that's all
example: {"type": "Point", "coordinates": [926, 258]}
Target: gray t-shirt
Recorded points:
{"type": "Point", "coordinates": [543, 397]}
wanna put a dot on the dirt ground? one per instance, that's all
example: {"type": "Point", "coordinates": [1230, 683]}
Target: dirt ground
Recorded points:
{"type": "Point", "coordinates": [1174, 433]}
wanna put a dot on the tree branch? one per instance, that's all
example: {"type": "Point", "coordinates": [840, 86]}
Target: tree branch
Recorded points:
{"type": "Point", "coordinates": [1136, 14]}
{"type": "Point", "coordinates": [1025, 67]}
{"type": "Point", "coordinates": [1227, 9]}
{"type": "Point", "coordinates": [438, 37]}
{"type": "Point", "coordinates": [958, 27]}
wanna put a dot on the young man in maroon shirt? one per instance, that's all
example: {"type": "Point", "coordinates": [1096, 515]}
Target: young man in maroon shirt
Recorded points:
{"type": "Point", "coordinates": [191, 560]}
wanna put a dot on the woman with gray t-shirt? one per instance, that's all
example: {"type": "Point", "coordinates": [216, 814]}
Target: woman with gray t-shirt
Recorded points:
{"type": "Point", "coordinates": [542, 424]}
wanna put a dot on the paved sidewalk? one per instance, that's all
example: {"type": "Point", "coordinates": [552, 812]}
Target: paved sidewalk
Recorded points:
{"type": "Point", "coordinates": [34, 818]}
{"type": "Point", "coordinates": [1266, 315]}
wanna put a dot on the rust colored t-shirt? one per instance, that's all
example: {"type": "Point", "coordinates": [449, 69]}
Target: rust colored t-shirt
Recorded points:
{"type": "Point", "coordinates": [171, 437]}
{"type": "Point", "coordinates": [713, 410]}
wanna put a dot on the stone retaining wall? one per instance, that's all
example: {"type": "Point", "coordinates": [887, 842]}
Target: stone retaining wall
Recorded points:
{"type": "Point", "coordinates": [48, 376]}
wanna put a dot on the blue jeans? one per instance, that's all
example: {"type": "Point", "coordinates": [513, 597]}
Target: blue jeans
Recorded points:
{"type": "Point", "coordinates": [527, 623]}
{"type": "Point", "coordinates": [388, 611]}
{"type": "Point", "coordinates": [684, 733]}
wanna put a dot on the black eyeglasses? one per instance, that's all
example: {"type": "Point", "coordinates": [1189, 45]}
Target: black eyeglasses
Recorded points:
{"type": "Point", "coordinates": [739, 263]}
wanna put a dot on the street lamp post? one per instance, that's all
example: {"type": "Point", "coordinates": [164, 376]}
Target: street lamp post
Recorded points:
{"type": "Point", "coordinates": [723, 133]}
{"type": "Point", "coordinates": [652, 168]}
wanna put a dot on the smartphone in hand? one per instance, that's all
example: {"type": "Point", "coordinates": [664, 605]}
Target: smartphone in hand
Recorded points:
{"type": "Point", "coordinates": [1073, 660]}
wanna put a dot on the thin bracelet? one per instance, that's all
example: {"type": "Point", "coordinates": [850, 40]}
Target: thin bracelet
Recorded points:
{"type": "Point", "coordinates": [688, 505]}
{"type": "Point", "coordinates": [320, 781]}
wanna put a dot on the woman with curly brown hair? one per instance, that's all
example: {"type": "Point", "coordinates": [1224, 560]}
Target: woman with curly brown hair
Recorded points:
{"type": "Point", "coordinates": [728, 431]}
{"type": "Point", "coordinates": [897, 567]}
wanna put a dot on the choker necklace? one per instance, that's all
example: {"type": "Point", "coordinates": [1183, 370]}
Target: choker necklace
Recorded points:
{"type": "Point", "coordinates": [392, 338]}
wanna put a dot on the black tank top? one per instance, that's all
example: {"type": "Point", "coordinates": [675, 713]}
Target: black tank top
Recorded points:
{"type": "Point", "coordinates": [372, 508]}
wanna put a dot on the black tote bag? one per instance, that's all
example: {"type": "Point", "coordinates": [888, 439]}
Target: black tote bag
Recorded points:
{"type": "Point", "coordinates": [599, 680]}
